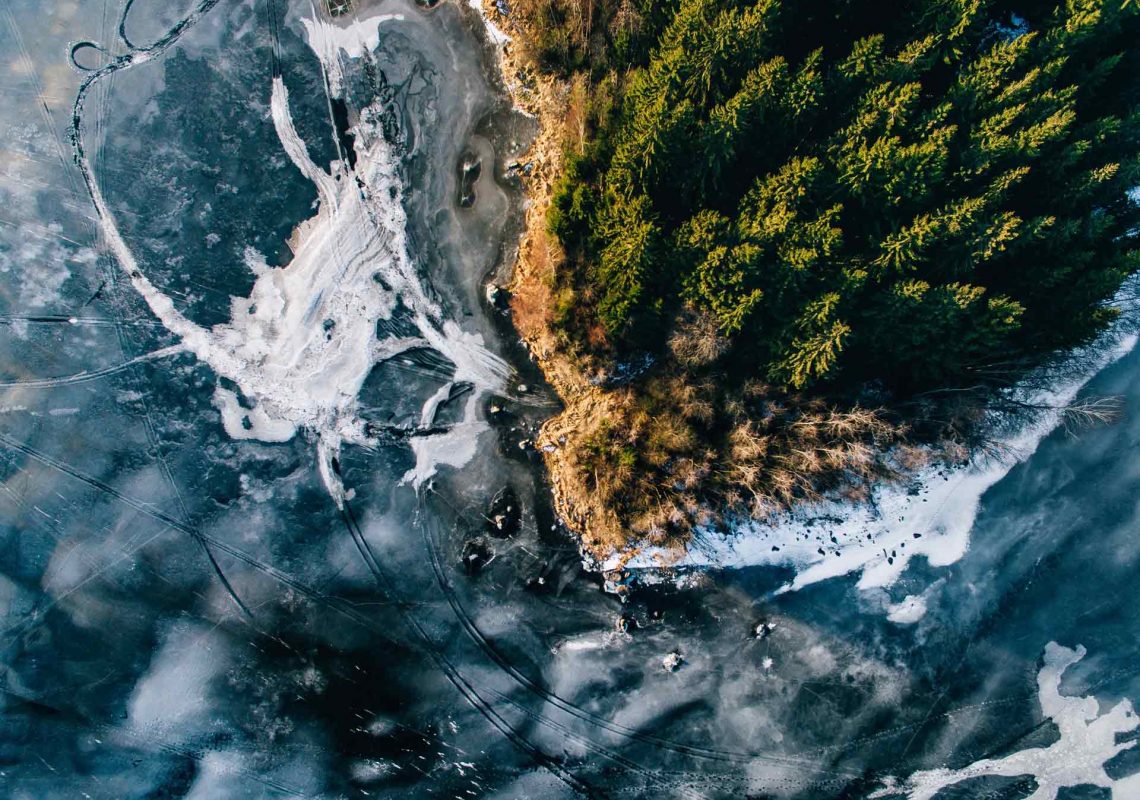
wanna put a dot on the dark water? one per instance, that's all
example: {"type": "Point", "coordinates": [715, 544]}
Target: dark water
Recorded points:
{"type": "Point", "coordinates": [190, 615]}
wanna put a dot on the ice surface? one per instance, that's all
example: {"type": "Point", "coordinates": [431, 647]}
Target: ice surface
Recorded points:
{"type": "Point", "coordinates": [354, 37]}
{"type": "Point", "coordinates": [302, 343]}
{"type": "Point", "coordinates": [1088, 739]}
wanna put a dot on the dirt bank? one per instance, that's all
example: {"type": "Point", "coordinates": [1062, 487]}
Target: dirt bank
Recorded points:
{"type": "Point", "coordinates": [586, 407]}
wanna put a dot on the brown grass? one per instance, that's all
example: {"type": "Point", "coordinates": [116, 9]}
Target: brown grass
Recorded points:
{"type": "Point", "coordinates": [679, 448]}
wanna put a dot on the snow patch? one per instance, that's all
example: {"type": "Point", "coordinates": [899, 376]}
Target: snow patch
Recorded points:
{"type": "Point", "coordinates": [454, 448]}
{"type": "Point", "coordinates": [301, 345]}
{"type": "Point", "coordinates": [496, 34]}
{"type": "Point", "coordinates": [907, 611]}
{"type": "Point", "coordinates": [1088, 739]}
{"type": "Point", "coordinates": [173, 696]}
{"type": "Point", "coordinates": [931, 517]}
{"type": "Point", "coordinates": [354, 37]}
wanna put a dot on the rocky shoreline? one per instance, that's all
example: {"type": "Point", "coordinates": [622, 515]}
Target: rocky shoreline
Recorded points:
{"type": "Point", "coordinates": [606, 545]}
{"type": "Point", "coordinates": [523, 287]}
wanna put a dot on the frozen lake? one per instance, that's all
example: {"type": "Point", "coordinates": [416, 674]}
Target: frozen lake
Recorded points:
{"type": "Point", "coordinates": [268, 530]}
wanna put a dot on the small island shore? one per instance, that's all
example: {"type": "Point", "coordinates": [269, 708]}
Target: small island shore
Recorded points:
{"type": "Point", "coordinates": [663, 436]}
{"type": "Point", "coordinates": [606, 539]}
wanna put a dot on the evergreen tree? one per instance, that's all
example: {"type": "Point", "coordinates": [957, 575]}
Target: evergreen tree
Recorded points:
{"type": "Point", "coordinates": [853, 194]}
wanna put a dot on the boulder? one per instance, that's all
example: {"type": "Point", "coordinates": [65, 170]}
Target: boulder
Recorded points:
{"type": "Point", "coordinates": [504, 514]}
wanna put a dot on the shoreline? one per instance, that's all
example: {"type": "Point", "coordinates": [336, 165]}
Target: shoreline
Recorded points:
{"type": "Point", "coordinates": [525, 172]}
{"type": "Point", "coordinates": [541, 98]}
{"type": "Point", "coordinates": [530, 301]}
{"type": "Point", "coordinates": [817, 539]}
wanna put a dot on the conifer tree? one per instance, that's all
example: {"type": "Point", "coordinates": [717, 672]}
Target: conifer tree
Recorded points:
{"type": "Point", "coordinates": [900, 197]}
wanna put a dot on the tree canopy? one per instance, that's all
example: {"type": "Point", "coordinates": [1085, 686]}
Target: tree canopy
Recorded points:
{"type": "Point", "coordinates": [905, 193]}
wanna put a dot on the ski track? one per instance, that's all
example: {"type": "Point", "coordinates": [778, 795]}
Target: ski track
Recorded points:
{"type": "Point", "coordinates": [546, 695]}
{"type": "Point", "coordinates": [300, 363]}
{"type": "Point", "coordinates": [83, 377]}
{"type": "Point", "coordinates": [346, 609]}
{"type": "Point", "coordinates": [454, 675]}
{"type": "Point", "coordinates": [797, 760]}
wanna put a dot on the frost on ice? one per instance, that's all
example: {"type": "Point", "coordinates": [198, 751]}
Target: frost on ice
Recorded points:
{"type": "Point", "coordinates": [301, 345]}
{"type": "Point", "coordinates": [1088, 739]}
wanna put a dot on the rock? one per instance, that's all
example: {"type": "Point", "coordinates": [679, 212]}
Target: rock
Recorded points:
{"type": "Point", "coordinates": [523, 388]}
{"type": "Point", "coordinates": [625, 624]}
{"type": "Point", "coordinates": [673, 661]}
{"type": "Point", "coordinates": [517, 170]}
{"type": "Point", "coordinates": [470, 167]}
{"type": "Point", "coordinates": [504, 514]}
{"type": "Point", "coordinates": [477, 554]}
{"type": "Point", "coordinates": [537, 582]}
{"type": "Point", "coordinates": [497, 297]}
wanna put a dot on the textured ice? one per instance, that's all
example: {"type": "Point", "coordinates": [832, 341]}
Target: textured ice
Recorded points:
{"type": "Point", "coordinates": [353, 37]}
{"type": "Point", "coordinates": [300, 346]}
{"type": "Point", "coordinates": [1087, 740]}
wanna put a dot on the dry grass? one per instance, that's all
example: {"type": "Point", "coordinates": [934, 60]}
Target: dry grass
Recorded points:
{"type": "Point", "coordinates": [532, 305]}
{"type": "Point", "coordinates": [652, 461]}
{"type": "Point", "coordinates": [678, 449]}
{"type": "Point", "coordinates": [559, 36]}
{"type": "Point", "coordinates": [697, 341]}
